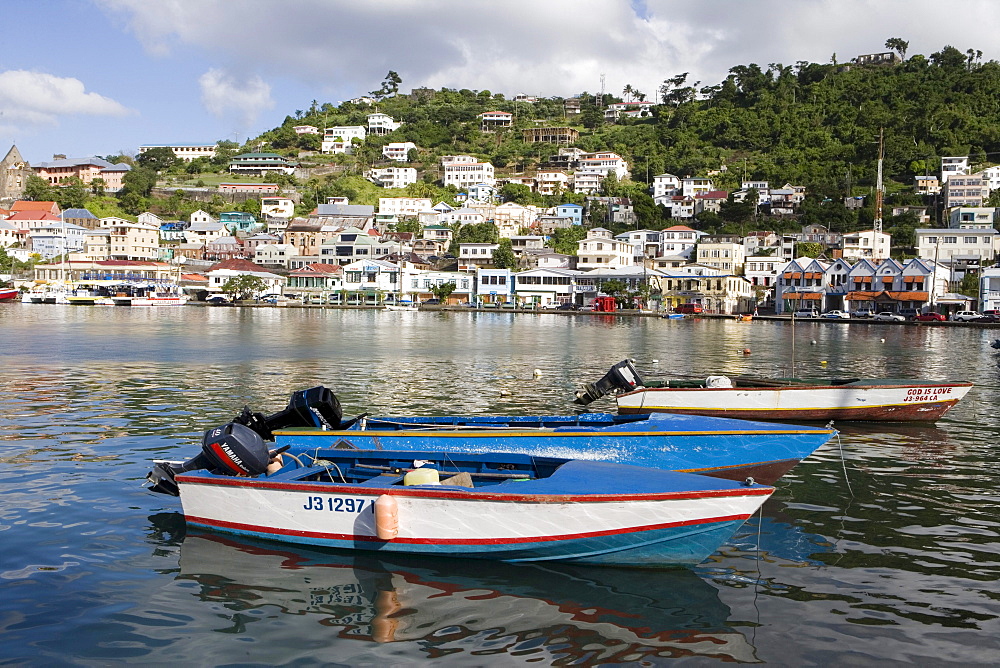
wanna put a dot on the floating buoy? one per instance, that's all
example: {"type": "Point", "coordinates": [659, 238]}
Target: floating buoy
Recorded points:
{"type": "Point", "coordinates": [386, 517]}
{"type": "Point", "coordinates": [822, 362]}
{"type": "Point", "coordinates": [813, 342]}
{"type": "Point", "coordinates": [882, 340]}
{"type": "Point", "coordinates": [536, 373]}
{"type": "Point", "coordinates": [504, 393]}
{"type": "Point", "coordinates": [746, 351]}
{"type": "Point", "coordinates": [655, 361]}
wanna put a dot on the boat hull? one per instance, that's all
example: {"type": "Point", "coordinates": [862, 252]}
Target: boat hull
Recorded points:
{"type": "Point", "coordinates": [722, 448]}
{"type": "Point", "coordinates": [621, 525]}
{"type": "Point", "coordinates": [149, 301]}
{"type": "Point", "coordinates": [881, 403]}
{"type": "Point", "coordinates": [9, 295]}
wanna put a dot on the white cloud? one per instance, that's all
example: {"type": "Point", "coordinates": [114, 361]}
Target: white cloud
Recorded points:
{"type": "Point", "coordinates": [556, 47]}
{"type": "Point", "coordinates": [226, 96]}
{"type": "Point", "coordinates": [36, 98]}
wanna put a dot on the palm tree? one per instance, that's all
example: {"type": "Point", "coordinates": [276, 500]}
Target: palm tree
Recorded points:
{"type": "Point", "coordinates": [628, 91]}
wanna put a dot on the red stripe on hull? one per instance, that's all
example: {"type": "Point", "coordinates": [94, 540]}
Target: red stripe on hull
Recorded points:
{"type": "Point", "coordinates": [255, 528]}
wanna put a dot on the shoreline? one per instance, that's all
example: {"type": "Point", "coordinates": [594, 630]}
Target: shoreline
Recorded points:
{"type": "Point", "coordinates": [634, 313]}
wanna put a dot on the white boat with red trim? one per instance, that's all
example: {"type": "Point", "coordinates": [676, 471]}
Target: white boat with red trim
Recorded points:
{"type": "Point", "coordinates": [508, 507]}
{"type": "Point", "coordinates": [751, 398]}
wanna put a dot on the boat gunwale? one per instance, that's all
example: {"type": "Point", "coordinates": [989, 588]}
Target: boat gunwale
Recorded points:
{"type": "Point", "coordinates": [547, 432]}
{"type": "Point", "coordinates": [462, 494]}
{"type": "Point", "coordinates": [776, 387]}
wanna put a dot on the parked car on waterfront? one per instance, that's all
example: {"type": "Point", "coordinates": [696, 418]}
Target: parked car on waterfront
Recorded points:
{"type": "Point", "coordinates": [966, 316]}
{"type": "Point", "coordinates": [889, 316]}
{"type": "Point", "coordinates": [806, 313]}
{"type": "Point", "coordinates": [837, 315]}
{"type": "Point", "coordinates": [688, 308]}
{"type": "Point", "coordinates": [862, 313]}
{"type": "Point", "coordinates": [990, 316]}
{"type": "Point", "coordinates": [910, 313]}
{"type": "Point", "coordinates": [218, 299]}
{"type": "Point", "coordinates": [930, 316]}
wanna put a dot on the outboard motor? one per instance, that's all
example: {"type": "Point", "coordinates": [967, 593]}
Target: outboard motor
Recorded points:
{"type": "Point", "coordinates": [231, 449]}
{"type": "Point", "coordinates": [237, 448]}
{"type": "Point", "coordinates": [315, 407]}
{"type": "Point", "coordinates": [622, 377]}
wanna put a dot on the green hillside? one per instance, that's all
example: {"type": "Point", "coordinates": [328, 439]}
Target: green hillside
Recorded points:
{"type": "Point", "coordinates": [809, 124]}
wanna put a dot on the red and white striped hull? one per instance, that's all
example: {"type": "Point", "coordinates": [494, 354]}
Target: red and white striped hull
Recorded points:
{"type": "Point", "coordinates": [620, 529]}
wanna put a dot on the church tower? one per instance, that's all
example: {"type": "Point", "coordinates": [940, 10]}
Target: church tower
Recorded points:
{"type": "Point", "coordinates": [14, 172]}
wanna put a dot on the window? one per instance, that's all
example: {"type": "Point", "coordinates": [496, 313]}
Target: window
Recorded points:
{"type": "Point", "coordinates": [951, 240]}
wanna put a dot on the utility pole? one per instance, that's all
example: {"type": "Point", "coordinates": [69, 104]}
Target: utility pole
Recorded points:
{"type": "Point", "coordinates": [879, 188]}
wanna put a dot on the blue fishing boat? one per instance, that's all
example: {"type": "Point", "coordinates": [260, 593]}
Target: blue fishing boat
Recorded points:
{"type": "Point", "coordinates": [720, 447]}
{"type": "Point", "coordinates": [500, 506]}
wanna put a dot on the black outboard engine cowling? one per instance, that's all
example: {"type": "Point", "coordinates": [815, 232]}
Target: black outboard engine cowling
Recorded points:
{"type": "Point", "coordinates": [316, 407]}
{"type": "Point", "coordinates": [622, 377]}
{"type": "Point", "coordinates": [237, 448]}
{"type": "Point", "coordinates": [232, 449]}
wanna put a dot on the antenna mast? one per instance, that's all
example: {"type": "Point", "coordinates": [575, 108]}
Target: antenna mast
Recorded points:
{"type": "Point", "coordinates": [600, 103]}
{"type": "Point", "coordinates": [879, 188]}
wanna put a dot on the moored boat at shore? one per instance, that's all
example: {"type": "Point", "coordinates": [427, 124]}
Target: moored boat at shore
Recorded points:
{"type": "Point", "coordinates": [745, 397]}
{"type": "Point", "coordinates": [502, 506]}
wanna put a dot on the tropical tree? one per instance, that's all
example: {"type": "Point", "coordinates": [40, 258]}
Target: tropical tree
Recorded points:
{"type": "Point", "coordinates": [503, 256]}
{"type": "Point", "coordinates": [72, 194]}
{"type": "Point", "coordinates": [158, 158]}
{"type": "Point", "coordinates": [244, 286]}
{"type": "Point", "coordinates": [443, 291]}
{"type": "Point", "coordinates": [897, 45]}
{"type": "Point", "coordinates": [38, 189]}
{"type": "Point", "coordinates": [390, 86]}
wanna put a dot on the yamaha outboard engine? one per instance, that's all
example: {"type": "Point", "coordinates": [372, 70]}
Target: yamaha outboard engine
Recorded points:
{"type": "Point", "coordinates": [622, 377]}
{"type": "Point", "coordinates": [231, 449]}
{"type": "Point", "coordinates": [237, 448]}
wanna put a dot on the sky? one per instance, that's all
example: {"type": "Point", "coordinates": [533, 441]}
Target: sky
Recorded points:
{"type": "Point", "coordinates": [102, 77]}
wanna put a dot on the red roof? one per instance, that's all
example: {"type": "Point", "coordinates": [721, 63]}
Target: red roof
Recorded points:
{"type": "Point", "coordinates": [713, 194]}
{"type": "Point", "coordinates": [191, 278]}
{"type": "Point", "coordinates": [33, 215]}
{"type": "Point", "coordinates": [679, 228]}
{"type": "Point", "coordinates": [318, 268]}
{"type": "Point", "coordinates": [27, 205]}
{"type": "Point", "coordinates": [237, 265]}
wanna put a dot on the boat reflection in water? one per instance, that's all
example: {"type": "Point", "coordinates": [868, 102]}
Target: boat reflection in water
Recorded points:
{"type": "Point", "coordinates": [570, 614]}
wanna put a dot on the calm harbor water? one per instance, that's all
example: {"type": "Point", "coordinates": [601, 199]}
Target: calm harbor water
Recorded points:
{"type": "Point", "coordinates": [882, 547]}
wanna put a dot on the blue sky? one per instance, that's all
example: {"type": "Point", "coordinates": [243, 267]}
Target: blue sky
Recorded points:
{"type": "Point", "coordinates": [85, 77]}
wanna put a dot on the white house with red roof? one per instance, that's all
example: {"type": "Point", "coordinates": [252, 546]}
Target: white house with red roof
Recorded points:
{"type": "Point", "coordinates": [33, 220]}
{"type": "Point", "coordinates": [679, 240]}
{"type": "Point", "coordinates": [710, 201]}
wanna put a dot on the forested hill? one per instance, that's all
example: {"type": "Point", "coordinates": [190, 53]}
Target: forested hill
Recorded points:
{"type": "Point", "coordinates": [809, 124]}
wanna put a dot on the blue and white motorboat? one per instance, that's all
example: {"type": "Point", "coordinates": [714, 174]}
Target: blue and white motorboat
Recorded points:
{"type": "Point", "coordinates": [500, 506]}
{"type": "Point", "coordinates": [720, 447]}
